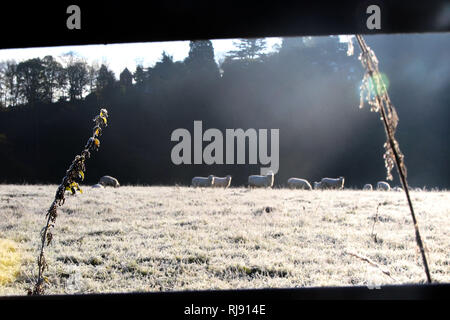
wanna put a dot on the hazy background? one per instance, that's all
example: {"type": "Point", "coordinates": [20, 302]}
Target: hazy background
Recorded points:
{"type": "Point", "coordinates": [307, 87]}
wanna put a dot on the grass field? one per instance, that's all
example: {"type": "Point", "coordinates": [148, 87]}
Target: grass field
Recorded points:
{"type": "Point", "coordinates": [179, 238]}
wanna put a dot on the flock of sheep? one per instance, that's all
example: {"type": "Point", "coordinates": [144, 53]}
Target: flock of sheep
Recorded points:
{"type": "Point", "coordinates": [107, 181]}
{"type": "Point", "coordinates": [266, 181]}
{"type": "Point", "coordinates": [261, 181]}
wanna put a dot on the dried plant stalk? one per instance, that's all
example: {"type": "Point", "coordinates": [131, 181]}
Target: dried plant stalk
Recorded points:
{"type": "Point", "coordinates": [374, 91]}
{"type": "Point", "coordinates": [75, 172]}
{"type": "Point", "coordinates": [365, 259]}
{"type": "Point", "coordinates": [375, 219]}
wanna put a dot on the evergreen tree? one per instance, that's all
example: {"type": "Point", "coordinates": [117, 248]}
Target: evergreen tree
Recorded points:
{"type": "Point", "coordinates": [201, 52]}
{"type": "Point", "coordinates": [105, 79]}
{"type": "Point", "coordinates": [162, 70]}
{"type": "Point", "coordinates": [248, 49]}
{"type": "Point", "coordinates": [201, 57]}
{"type": "Point", "coordinates": [126, 78]}
{"type": "Point", "coordinates": [125, 81]}
{"type": "Point", "coordinates": [139, 76]}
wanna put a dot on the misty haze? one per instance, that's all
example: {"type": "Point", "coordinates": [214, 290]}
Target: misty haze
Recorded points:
{"type": "Point", "coordinates": [156, 232]}
{"type": "Point", "coordinates": [308, 89]}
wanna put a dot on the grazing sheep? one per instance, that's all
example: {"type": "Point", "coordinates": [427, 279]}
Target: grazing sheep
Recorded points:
{"type": "Point", "coordinates": [261, 181]}
{"type": "Point", "coordinates": [330, 183]}
{"type": "Point", "coordinates": [222, 182]}
{"type": "Point", "coordinates": [368, 186]}
{"type": "Point", "coordinates": [203, 181]}
{"type": "Point", "coordinates": [98, 186]}
{"type": "Point", "coordinates": [297, 183]}
{"type": "Point", "coordinates": [109, 181]}
{"type": "Point", "coordinates": [383, 186]}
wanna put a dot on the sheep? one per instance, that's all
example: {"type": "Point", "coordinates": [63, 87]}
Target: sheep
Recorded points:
{"type": "Point", "coordinates": [368, 186]}
{"type": "Point", "coordinates": [297, 183]}
{"type": "Point", "coordinates": [384, 186]}
{"type": "Point", "coordinates": [98, 186]}
{"type": "Point", "coordinates": [109, 181]}
{"type": "Point", "coordinates": [397, 188]}
{"type": "Point", "coordinates": [261, 181]}
{"type": "Point", "coordinates": [203, 181]}
{"type": "Point", "coordinates": [330, 183]}
{"type": "Point", "coordinates": [223, 182]}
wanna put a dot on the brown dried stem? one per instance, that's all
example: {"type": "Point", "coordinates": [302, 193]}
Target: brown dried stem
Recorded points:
{"type": "Point", "coordinates": [371, 263]}
{"type": "Point", "coordinates": [75, 172]}
{"type": "Point", "coordinates": [382, 103]}
{"type": "Point", "coordinates": [375, 219]}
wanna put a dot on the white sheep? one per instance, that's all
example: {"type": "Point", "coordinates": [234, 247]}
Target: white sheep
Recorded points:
{"type": "Point", "coordinates": [368, 186]}
{"type": "Point", "coordinates": [383, 185]}
{"type": "Point", "coordinates": [109, 181]}
{"type": "Point", "coordinates": [330, 183]}
{"type": "Point", "coordinates": [222, 182]}
{"type": "Point", "coordinates": [261, 181]}
{"type": "Point", "coordinates": [297, 183]}
{"type": "Point", "coordinates": [203, 181]}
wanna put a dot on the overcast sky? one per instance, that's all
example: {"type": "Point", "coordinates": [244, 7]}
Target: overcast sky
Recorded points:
{"type": "Point", "coordinates": [119, 56]}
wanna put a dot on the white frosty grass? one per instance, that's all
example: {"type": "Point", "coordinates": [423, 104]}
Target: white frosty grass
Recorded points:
{"type": "Point", "coordinates": [179, 238]}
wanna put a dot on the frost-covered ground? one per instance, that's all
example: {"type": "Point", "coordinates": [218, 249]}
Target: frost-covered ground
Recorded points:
{"type": "Point", "coordinates": [137, 238]}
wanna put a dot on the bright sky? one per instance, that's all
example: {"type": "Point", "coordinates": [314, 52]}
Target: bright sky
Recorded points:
{"type": "Point", "coordinates": [119, 56]}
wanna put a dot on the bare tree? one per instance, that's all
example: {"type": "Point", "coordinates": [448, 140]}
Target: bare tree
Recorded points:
{"type": "Point", "coordinates": [10, 83]}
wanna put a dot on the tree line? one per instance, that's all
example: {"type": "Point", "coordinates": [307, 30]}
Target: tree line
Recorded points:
{"type": "Point", "coordinates": [49, 80]}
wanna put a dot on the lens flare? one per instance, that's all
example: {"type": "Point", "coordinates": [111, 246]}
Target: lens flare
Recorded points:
{"type": "Point", "coordinates": [378, 84]}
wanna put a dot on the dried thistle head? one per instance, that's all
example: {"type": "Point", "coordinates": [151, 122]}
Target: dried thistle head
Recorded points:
{"type": "Point", "coordinates": [373, 90]}
{"type": "Point", "coordinates": [380, 100]}
{"type": "Point", "coordinates": [350, 48]}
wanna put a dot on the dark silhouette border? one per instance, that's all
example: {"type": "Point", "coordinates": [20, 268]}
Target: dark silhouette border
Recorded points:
{"type": "Point", "coordinates": [44, 24]}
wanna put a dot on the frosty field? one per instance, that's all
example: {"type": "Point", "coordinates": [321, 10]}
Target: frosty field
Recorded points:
{"type": "Point", "coordinates": [137, 238]}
